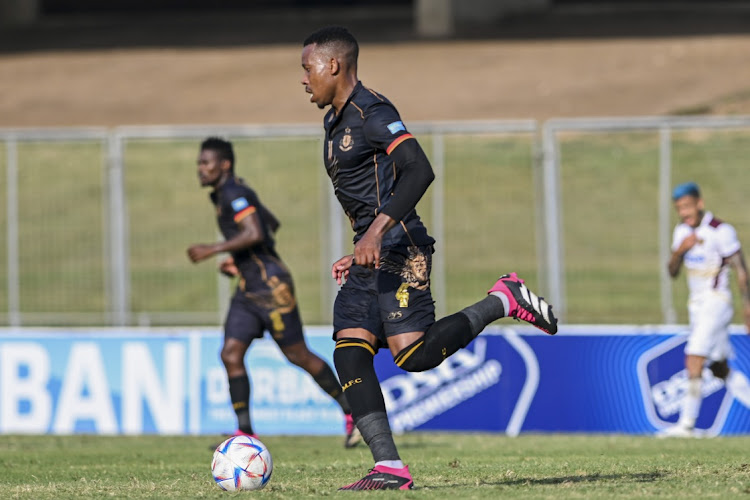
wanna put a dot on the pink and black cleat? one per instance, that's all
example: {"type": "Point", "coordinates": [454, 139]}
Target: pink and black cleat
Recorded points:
{"type": "Point", "coordinates": [524, 304]}
{"type": "Point", "coordinates": [238, 432]}
{"type": "Point", "coordinates": [353, 436]}
{"type": "Point", "coordinates": [384, 478]}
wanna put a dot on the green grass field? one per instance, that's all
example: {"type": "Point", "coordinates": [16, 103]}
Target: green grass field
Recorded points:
{"type": "Point", "coordinates": [454, 466]}
{"type": "Point", "coordinates": [609, 220]}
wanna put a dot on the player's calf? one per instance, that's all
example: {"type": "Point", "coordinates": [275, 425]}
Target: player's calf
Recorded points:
{"type": "Point", "coordinates": [353, 360]}
{"type": "Point", "coordinates": [441, 340]}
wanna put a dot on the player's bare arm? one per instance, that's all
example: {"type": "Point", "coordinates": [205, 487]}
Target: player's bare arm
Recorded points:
{"type": "Point", "coordinates": [675, 261]}
{"type": "Point", "coordinates": [737, 261]}
{"type": "Point", "coordinates": [251, 233]}
{"type": "Point", "coordinates": [367, 249]}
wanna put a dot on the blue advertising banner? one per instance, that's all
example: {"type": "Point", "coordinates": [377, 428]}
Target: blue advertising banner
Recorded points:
{"type": "Point", "coordinates": [129, 381]}
{"type": "Point", "coordinates": [629, 382]}
{"type": "Point", "coordinates": [584, 379]}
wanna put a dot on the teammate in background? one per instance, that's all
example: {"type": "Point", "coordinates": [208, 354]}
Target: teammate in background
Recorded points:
{"type": "Point", "coordinates": [264, 299]}
{"type": "Point", "coordinates": [379, 173]}
{"type": "Point", "coordinates": [708, 247]}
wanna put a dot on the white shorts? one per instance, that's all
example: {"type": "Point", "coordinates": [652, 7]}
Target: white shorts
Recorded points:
{"type": "Point", "coordinates": [710, 316]}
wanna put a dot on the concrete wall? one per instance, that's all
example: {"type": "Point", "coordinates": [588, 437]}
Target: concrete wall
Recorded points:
{"type": "Point", "coordinates": [478, 11]}
{"type": "Point", "coordinates": [438, 18]}
{"type": "Point", "coordinates": [19, 12]}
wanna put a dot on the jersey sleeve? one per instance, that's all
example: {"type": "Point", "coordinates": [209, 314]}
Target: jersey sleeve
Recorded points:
{"type": "Point", "coordinates": [240, 203]}
{"type": "Point", "coordinates": [727, 241]}
{"type": "Point", "coordinates": [383, 127]}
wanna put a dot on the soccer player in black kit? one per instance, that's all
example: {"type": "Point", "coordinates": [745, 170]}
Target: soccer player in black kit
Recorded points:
{"type": "Point", "coordinates": [379, 173]}
{"type": "Point", "coordinates": [264, 299]}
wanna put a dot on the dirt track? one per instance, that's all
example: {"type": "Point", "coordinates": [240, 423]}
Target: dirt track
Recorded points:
{"type": "Point", "coordinates": [427, 81]}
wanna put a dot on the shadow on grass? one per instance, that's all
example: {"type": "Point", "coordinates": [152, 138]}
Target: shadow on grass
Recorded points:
{"type": "Point", "coordinates": [639, 477]}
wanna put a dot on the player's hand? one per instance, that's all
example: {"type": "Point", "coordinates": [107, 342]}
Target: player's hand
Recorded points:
{"type": "Point", "coordinates": [747, 318]}
{"type": "Point", "coordinates": [227, 267]}
{"type": "Point", "coordinates": [200, 252]}
{"type": "Point", "coordinates": [688, 243]}
{"type": "Point", "coordinates": [367, 249]}
{"type": "Point", "coordinates": [340, 269]}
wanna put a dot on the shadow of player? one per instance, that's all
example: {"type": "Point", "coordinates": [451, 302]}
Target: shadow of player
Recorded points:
{"type": "Point", "coordinates": [638, 477]}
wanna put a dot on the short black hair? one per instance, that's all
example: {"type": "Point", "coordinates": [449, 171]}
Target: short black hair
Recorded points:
{"type": "Point", "coordinates": [221, 146]}
{"type": "Point", "coordinates": [336, 37]}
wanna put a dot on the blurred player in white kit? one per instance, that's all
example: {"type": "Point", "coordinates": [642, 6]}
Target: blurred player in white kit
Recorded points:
{"type": "Point", "coordinates": [707, 247]}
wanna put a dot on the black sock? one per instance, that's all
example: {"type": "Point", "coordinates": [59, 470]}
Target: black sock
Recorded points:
{"type": "Point", "coordinates": [327, 381]}
{"type": "Point", "coordinates": [484, 312]}
{"type": "Point", "coordinates": [353, 360]}
{"type": "Point", "coordinates": [441, 340]}
{"type": "Point", "coordinates": [239, 393]}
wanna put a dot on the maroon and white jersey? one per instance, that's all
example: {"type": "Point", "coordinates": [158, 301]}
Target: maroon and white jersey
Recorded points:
{"type": "Point", "coordinates": [706, 262]}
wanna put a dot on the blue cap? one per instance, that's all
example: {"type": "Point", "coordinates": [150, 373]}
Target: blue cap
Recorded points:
{"type": "Point", "coordinates": [686, 189]}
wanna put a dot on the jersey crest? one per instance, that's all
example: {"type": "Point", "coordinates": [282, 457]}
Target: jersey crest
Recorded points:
{"type": "Point", "coordinates": [347, 142]}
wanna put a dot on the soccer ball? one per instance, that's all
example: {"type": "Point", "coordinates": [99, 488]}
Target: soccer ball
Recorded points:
{"type": "Point", "coordinates": [241, 463]}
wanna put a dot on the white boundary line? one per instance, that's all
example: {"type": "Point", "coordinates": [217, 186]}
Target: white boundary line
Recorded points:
{"type": "Point", "coordinates": [194, 382]}
{"type": "Point", "coordinates": [518, 417]}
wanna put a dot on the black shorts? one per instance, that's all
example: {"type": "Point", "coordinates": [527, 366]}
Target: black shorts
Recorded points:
{"type": "Point", "coordinates": [390, 300]}
{"type": "Point", "coordinates": [251, 314]}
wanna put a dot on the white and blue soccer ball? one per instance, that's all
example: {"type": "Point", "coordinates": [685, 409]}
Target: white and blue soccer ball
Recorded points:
{"type": "Point", "coordinates": [242, 463]}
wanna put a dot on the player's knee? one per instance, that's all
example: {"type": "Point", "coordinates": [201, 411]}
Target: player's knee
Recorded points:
{"type": "Point", "coordinates": [296, 358]}
{"type": "Point", "coordinates": [720, 369]}
{"type": "Point", "coordinates": [304, 359]}
{"type": "Point", "coordinates": [413, 358]}
{"type": "Point", "coordinates": [232, 357]}
{"type": "Point", "coordinates": [694, 365]}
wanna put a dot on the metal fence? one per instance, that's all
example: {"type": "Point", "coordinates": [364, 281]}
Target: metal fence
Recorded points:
{"type": "Point", "coordinates": [608, 213]}
{"type": "Point", "coordinates": [97, 220]}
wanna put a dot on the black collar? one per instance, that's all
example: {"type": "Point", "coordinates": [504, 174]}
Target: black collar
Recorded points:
{"type": "Point", "coordinates": [332, 118]}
